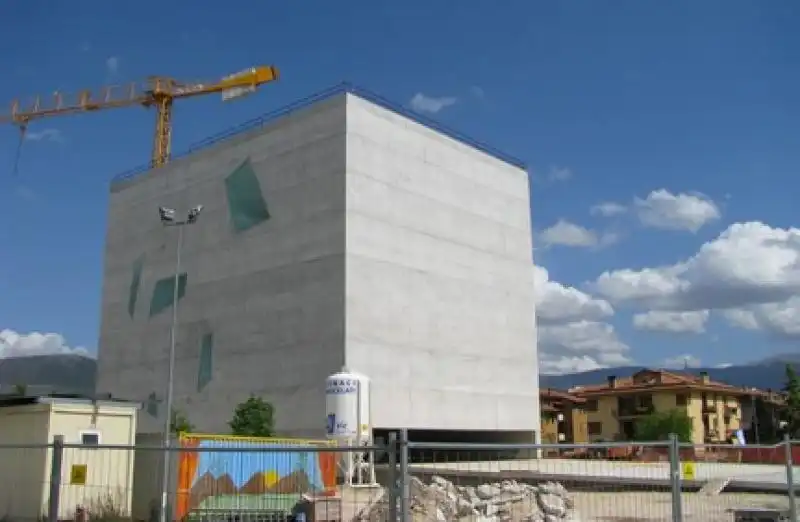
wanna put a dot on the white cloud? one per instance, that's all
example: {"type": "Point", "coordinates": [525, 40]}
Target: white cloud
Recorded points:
{"type": "Point", "coordinates": [682, 361]}
{"type": "Point", "coordinates": [112, 64]}
{"type": "Point", "coordinates": [565, 233]}
{"type": "Point", "coordinates": [422, 103]}
{"type": "Point", "coordinates": [780, 318]}
{"type": "Point", "coordinates": [572, 334]}
{"type": "Point", "coordinates": [53, 135]}
{"type": "Point", "coordinates": [664, 210]}
{"type": "Point", "coordinates": [740, 318]}
{"type": "Point", "coordinates": [559, 173]}
{"type": "Point", "coordinates": [750, 273]}
{"type": "Point", "coordinates": [608, 209]}
{"type": "Point", "coordinates": [559, 365]}
{"type": "Point", "coordinates": [556, 303]}
{"type": "Point", "coordinates": [672, 322]}
{"type": "Point", "coordinates": [13, 344]}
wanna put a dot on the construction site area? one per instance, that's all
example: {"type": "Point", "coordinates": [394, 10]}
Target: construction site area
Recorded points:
{"type": "Point", "coordinates": [371, 273]}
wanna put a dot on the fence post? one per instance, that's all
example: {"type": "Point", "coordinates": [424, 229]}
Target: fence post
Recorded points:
{"type": "Point", "coordinates": [675, 477]}
{"type": "Point", "coordinates": [787, 443]}
{"type": "Point", "coordinates": [56, 465]}
{"type": "Point", "coordinates": [405, 515]}
{"type": "Point", "coordinates": [394, 483]}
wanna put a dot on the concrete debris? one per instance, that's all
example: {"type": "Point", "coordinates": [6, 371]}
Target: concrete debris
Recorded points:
{"type": "Point", "coordinates": [507, 501]}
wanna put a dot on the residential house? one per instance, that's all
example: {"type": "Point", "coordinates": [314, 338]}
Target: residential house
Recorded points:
{"type": "Point", "coordinates": [563, 417]}
{"type": "Point", "coordinates": [614, 407]}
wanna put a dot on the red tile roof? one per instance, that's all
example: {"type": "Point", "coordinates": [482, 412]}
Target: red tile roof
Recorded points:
{"type": "Point", "coordinates": [560, 395]}
{"type": "Point", "coordinates": [649, 379]}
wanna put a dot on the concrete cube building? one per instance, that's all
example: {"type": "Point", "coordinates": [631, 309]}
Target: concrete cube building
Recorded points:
{"type": "Point", "coordinates": [342, 233]}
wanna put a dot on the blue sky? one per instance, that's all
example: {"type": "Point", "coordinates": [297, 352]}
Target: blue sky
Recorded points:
{"type": "Point", "coordinates": [691, 107]}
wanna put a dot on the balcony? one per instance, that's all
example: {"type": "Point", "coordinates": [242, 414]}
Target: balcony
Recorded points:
{"type": "Point", "coordinates": [634, 411]}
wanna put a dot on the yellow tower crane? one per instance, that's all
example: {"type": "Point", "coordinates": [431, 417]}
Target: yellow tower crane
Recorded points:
{"type": "Point", "coordinates": [157, 91]}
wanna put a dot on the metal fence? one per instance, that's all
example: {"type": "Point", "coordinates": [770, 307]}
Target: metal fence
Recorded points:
{"type": "Point", "coordinates": [610, 482]}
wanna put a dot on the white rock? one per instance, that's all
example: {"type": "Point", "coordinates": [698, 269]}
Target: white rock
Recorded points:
{"type": "Point", "coordinates": [536, 516]}
{"type": "Point", "coordinates": [441, 481]}
{"type": "Point", "coordinates": [552, 504]}
{"type": "Point", "coordinates": [513, 487]}
{"type": "Point", "coordinates": [554, 488]}
{"type": "Point", "coordinates": [487, 491]}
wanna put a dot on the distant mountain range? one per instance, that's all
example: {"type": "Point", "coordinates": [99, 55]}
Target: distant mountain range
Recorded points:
{"type": "Point", "coordinates": [40, 374]}
{"type": "Point", "coordinates": [67, 373]}
{"type": "Point", "coordinates": [767, 374]}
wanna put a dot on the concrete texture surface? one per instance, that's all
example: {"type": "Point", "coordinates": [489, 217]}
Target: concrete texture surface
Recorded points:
{"type": "Point", "coordinates": [622, 506]}
{"type": "Point", "coordinates": [639, 506]}
{"type": "Point", "coordinates": [389, 248]}
{"type": "Point", "coordinates": [766, 476]}
{"type": "Point", "coordinates": [439, 281]}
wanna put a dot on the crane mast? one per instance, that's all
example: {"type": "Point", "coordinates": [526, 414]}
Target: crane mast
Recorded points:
{"type": "Point", "coordinates": [157, 92]}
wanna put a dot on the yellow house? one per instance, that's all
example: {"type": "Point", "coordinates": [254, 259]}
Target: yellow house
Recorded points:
{"type": "Point", "coordinates": [563, 417]}
{"type": "Point", "coordinates": [90, 475]}
{"type": "Point", "coordinates": [613, 408]}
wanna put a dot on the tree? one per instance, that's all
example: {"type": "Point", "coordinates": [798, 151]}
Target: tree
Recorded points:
{"type": "Point", "coordinates": [253, 418]}
{"type": "Point", "coordinates": [658, 425]}
{"type": "Point", "coordinates": [763, 428]}
{"type": "Point", "coordinates": [792, 412]}
{"type": "Point", "coordinates": [20, 389]}
{"type": "Point", "coordinates": [179, 423]}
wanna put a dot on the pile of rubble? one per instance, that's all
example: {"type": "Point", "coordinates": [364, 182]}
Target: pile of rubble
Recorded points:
{"type": "Point", "coordinates": [443, 501]}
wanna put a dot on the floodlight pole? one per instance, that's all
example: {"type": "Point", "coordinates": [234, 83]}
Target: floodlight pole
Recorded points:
{"type": "Point", "coordinates": [173, 331]}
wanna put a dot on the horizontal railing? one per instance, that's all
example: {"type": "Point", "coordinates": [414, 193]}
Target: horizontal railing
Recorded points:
{"type": "Point", "coordinates": [661, 480]}
{"type": "Point", "coordinates": [272, 116]}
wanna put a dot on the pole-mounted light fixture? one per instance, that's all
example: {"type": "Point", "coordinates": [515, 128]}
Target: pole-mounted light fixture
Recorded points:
{"type": "Point", "coordinates": [168, 219]}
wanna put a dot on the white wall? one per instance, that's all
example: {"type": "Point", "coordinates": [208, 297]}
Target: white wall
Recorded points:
{"type": "Point", "coordinates": [439, 284]}
{"type": "Point", "coordinates": [24, 470]}
{"type": "Point", "coordinates": [109, 479]}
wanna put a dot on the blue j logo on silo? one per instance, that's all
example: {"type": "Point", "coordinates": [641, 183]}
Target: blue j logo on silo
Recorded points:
{"type": "Point", "coordinates": [331, 423]}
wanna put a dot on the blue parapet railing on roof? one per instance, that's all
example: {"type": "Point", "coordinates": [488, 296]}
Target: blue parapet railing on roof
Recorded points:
{"type": "Point", "coordinates": [323, 95]}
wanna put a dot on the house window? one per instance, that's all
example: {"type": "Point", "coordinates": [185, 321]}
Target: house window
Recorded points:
{"type": "Point", "coordinates": [90, 438]}
{"type": "Point", "coordinates": [591, 405]}
{"type": "Point", "coordinates": [595, 428]}
{"type": "Point", "coordinates": [681, 399]}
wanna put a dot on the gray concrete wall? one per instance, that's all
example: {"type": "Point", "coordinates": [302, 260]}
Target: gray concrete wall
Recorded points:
{"type": "Point", "coordinates": [390, 248]}
{"type": "Point", "coordinates": [440, 308]}
{"type": "Point", "coordinates": [272, 296]}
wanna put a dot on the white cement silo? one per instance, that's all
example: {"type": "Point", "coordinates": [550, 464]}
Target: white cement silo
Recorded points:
{"type": "Point", "coordinates": [347, 407]}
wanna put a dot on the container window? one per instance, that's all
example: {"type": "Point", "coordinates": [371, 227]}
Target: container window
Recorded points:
{"type": "Point", "coordinates": [136, 281]}
{"type": "Point", "coordinates": [90, 438]}
{"type": "Point", "coordinates": [246, 203]}
{"type": "Point", "coordinates": [163, 293]}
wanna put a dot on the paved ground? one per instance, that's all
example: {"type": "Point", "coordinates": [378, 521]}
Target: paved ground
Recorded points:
{"type": "Point", "coordinates": [652, 507]}
{"type": "Point", "coordinates": [623, 506]}
{"type": "Point", "coordinates": [744, 473]}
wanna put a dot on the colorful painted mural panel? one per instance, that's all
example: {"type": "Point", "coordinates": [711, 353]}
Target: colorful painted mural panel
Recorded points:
{"type": "Point", "coordinates": [250, 479]}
